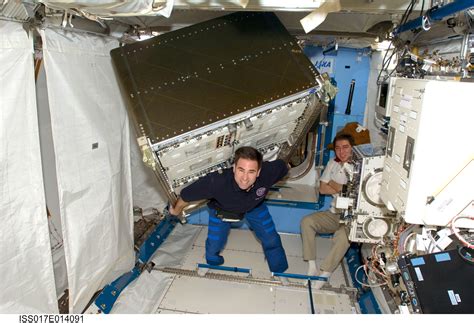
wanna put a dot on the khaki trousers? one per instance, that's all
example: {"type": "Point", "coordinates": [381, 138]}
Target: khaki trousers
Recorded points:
{"type": "Point", "coordinates": [324, 222]}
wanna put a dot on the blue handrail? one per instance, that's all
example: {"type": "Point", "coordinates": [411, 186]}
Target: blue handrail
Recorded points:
{"type": "Point", "coordinates": [436, 14]}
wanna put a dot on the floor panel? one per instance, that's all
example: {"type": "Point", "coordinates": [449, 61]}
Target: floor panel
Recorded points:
{"type": "Point", "coordinates": [201, 295]}
{"type": "Point", "coordinates": [186, 292]}
{"type": "Point", "coordinates": [243, 250]}
{"type": "Point", "coordinates": [208, 296]}
{"type": "Point", "coordinates": [289, 301]}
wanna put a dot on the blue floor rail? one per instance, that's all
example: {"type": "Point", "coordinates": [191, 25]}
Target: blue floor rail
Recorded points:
{"type": "Point", "coordinates": [299, 276]}
{"type": "Point", "coordinates": [106, 299]}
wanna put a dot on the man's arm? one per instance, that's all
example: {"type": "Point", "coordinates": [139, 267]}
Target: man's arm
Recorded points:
{"type": "Point", "coordinates": [178, 207]}
{"type": "Point", "coordinates": [199, 190]}
{"type": "Point", "coordinates": [329, 188]}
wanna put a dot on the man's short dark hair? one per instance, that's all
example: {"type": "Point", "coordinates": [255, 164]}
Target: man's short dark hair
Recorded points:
{"type": "Point", "coordinates": [343, 136]}
{"type": "Point", "coordinates": [247, 152]}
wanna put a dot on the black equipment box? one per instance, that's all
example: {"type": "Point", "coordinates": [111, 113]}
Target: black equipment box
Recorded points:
{"type": "Point", "coordinates": [439, 283]}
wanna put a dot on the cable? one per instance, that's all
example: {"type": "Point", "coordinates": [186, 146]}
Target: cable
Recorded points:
{"type": "Point", "coordinates": [453, 228]}
{"type": "Point", "coordinates": [407, 12]}
{"type": "Point", "coordinates": [396, 240]}
{"type": "Point", "coordinates": [386, 63]}
{"type": "Point", "coordinates": [364, 284]}
{"type": "Point", "coordinates": [406, 240]}
{"type": "Point", "coordinates": [405, 50]}
{"type": "Point", "coordinates": [434, 244]}
{"type": "Point", "coordinates": [402, 235]}
{"type": "Point", "coordinates": [311, 297]}
{"type": "Point", "coordinates": [467, 258]}
{"type": "Point", "coordinates": [377, 262]}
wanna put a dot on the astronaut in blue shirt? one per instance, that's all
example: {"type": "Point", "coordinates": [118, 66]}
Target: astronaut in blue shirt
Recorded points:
{"type": "Point", "coordinates": [235, 194]}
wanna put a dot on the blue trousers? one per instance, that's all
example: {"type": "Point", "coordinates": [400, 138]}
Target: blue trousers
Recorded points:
{"type": "Point", "coordinates": [261, 223]}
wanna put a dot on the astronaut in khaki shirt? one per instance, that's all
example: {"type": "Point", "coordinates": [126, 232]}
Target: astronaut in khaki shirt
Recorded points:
{"type": "Point", "coordinates": [331, 183]}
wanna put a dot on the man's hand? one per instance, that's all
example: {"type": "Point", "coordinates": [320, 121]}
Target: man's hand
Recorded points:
{"type": "Point", "coordinates": [175, 211]}
{"type": "Point", "coordinates": [168, 212]}
{"type": "Point", "coordinates": [172, 211]}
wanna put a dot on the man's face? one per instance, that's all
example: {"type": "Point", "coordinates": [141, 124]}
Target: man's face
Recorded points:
{"type": "Point", "coordinates": [343, 150]}
{"type": "Point", "coordinates": [245, 173]}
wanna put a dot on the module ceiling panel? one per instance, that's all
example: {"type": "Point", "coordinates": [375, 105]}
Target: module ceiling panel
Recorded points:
{"type": "Point", "coordinates": [198, 75]}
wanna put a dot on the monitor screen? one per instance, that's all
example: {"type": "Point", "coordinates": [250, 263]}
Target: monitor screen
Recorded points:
{"type": "Point", "coordinates": [382, 105]}
{"type": "Point", "coordinates": [383, 93]}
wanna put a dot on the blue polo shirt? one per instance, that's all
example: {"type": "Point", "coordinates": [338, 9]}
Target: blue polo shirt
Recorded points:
{"type": "Point", "coordinates": [225, 194]}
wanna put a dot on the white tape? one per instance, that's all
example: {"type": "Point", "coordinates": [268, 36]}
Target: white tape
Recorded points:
{"type": "Point", "coordinates": [315, 18]}
{"type": "Point", "coordinates": [419, 275]}
{"type": "Point", "coordinates": [452, 297]}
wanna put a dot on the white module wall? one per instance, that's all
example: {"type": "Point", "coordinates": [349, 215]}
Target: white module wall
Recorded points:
{"type": "Point", "coordinates": [430, 141]}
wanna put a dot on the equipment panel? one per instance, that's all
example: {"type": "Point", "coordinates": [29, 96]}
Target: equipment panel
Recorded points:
{"type": "Point", "coordinates": [429, 123]}
{"type": "Point", "coordinates": [371, 220]}
{"type": "Point", "coordinates": [198, 93]}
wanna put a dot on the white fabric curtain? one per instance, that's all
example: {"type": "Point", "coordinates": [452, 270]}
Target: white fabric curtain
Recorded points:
{"type": "Point", "coordinates": [147, 193]}
{"type": "Point", "coordinates": [50, 183]}
{"type": "Point", "coordinates": [92, 148]}
{"type": "Point", "coordinates": [26, 268]}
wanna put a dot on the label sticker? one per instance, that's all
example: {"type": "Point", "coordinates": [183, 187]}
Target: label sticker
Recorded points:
{"type": "Point", "coordinates": [419, 275]}
{"type": "Point", "coordinates": [458, 298]}
{"type": "Point", "coordinates": [405, 102]}
{"type": "Point", "coordinates": [452, 297]}
{"type": "Point", "coordinates": [417, 261]}
{"type": "Point", "coordinates": [442, 257]}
